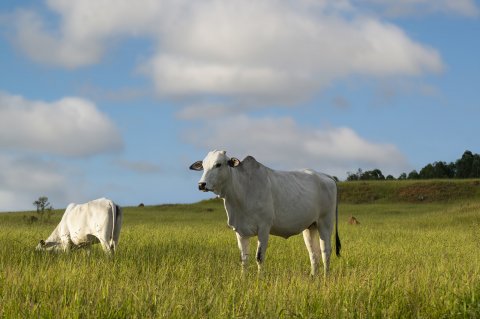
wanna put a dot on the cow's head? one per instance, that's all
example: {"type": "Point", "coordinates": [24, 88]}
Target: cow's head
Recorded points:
{"type": "Point", "coordinates": [42, 245]}
{"type": "Point", "coordinates": [216, 171]}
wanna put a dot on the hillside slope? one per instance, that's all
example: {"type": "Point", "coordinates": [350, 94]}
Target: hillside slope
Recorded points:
{"type": "Point", "coordinates": [417, 191]}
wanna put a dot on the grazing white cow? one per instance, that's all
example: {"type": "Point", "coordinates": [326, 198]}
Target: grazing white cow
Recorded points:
{"type": "Point", "coordinates": [98, 221]}
{"type": "Point", "coordinates": [260, 201]}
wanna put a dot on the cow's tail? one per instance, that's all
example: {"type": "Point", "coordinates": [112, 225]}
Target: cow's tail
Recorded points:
{"type": "Point", "coordinates": [114, 223]}
{"type": "Point", "coordinates": [338, 245]}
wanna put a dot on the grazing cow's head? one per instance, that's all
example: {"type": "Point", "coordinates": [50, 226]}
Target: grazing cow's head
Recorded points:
{"type": "Point", "coordinates": [216, 169]}
{"type": "Point", "coordinates": [42, 245]}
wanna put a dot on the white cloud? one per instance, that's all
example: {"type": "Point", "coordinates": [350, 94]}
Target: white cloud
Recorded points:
{"type": "Point", "coordinates": [43, 47]}
{"type": "Point", "coordinates": [69, 127]}
{"type": "Point", "coordinates": [177, 76]}
{"type": "Point", "coordinates": [282, 143]}
{"type": "Point", "coordinates": [277, 51]}
{"type": "Point", "coordinates": [24, 179]}
{"type": "Point", "coordinates": [85, 29]}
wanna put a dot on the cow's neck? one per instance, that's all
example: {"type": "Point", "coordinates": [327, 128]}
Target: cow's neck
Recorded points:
{"type": "Point", "coordinates": [233, 191]}
{"type": "Point", "coordinates": [54, 236]}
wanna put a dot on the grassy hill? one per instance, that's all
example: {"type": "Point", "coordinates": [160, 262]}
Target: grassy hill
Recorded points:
{"type": "Point", "coordinates": [418, 191]}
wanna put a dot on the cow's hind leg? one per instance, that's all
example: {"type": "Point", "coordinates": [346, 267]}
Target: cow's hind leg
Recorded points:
{"type": "Point", "coordinates": [243, 245]}
{"type": "Point", "coordinates": [312, 241]}
{"type": "Point", "coordinates": [104, 236]}
{"type": "Point", "coordinates": [107, 248]}
{"type": "Point", "coordinates": [326, 247]}
{"type": "Point", "coordinates": [262, 247]}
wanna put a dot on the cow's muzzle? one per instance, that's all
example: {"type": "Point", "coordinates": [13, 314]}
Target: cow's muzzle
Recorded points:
{"type": "Point", "coordinates": [202, 186]}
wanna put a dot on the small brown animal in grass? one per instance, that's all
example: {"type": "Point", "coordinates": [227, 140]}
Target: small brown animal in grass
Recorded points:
{"type": "Point", "coordinates": [353, 221]}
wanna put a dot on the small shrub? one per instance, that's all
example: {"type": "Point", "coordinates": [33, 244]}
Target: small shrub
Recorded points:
{"type": "Point", "coordinates": [44, 208]}
{"type": "Point", "coordinates": [30, 219]}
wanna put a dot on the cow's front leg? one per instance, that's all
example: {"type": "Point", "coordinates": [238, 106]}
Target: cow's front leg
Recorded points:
{"type": "Point", "coordinates": [65, 243]}
{"type": "Point", "coordinates": [262, 248]}
{"type": "Point", "coordinates": [243, 245]}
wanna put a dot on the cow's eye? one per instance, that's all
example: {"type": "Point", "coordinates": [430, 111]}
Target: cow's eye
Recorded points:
{"type": "Point", "coordinates": [218, 165]}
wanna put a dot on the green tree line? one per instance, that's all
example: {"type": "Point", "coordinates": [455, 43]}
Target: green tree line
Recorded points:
{"type": "Point", "coordinates": [468, 166]}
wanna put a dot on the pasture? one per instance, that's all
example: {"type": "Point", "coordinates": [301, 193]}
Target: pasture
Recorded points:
{"type": "Point", "coordinates": [406, 259]}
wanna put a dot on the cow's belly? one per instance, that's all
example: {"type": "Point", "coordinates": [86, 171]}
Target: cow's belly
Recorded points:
{"type": "Point", "coordinates": [296, 211]}
{"type": "Point", "coordinates": [80, 239]}
{"type": "Point", "coordinates": [293, 217]}
{"type": "Point", "coordinates": [285, 233]}
{"type": "Point", "coordinates": [286, 230]}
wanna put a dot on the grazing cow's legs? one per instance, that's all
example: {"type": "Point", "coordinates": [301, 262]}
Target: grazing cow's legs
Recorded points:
{"type": "Point", "coordinates": [262, 247]}
{"type": "Point", "coordinates": [65, 243]}
{"type": "Point", "coordinates": [326, 247]}
{"type": "Point", "coordinates": [312, 241]}
{"type": "Point", "coordinates": [65, 246]}
{"type": "Point", "coordinates": [102, 233]}
{"type": "Point", "coordinates": [106, 246]}
{"type": "Point", "coordinates": [243, 245]}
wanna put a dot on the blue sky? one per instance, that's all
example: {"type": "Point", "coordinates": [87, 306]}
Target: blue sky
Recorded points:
{"type": "Point", "coordinates": [118, 98]}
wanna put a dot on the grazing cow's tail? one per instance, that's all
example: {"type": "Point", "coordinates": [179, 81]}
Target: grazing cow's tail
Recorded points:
{"type": "Point", "coordinates": [114, 220]}
{"type": "Point", "coordinates": [338, 245]}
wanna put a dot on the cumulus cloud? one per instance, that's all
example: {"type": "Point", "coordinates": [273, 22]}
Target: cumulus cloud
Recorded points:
{"type": "Point", "coordinates": [282, 143]}
{"type": "Point", "coordinates": [278, 51]}
{"type": "Point", "coordinates": [24, 179]}
{"type": "Point", "coordinates": [43, 47]}
{"type": "Point", "coordinates": [85, 30]}
{"type": "Point", "coordinates": [68, 127]}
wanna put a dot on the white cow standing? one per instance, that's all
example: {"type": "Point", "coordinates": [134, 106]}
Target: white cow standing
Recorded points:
{"type": "Point", "coordinates": [260, 201]}
{"type": "Point", "coordinates": [98, 221]}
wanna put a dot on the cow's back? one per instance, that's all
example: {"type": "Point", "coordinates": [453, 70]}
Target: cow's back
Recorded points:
{"type": "Point", "coordinates": [89, 218]}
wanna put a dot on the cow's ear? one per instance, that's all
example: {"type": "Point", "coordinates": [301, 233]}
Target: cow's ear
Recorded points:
{"type": "Point", "coordinates": [233, 162]}
{"type": "Point", "coordinates": [197, 166]}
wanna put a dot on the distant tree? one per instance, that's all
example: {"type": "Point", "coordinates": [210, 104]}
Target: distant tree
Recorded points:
{"type": "Point", "coordinates": [375, 175]}
{"type": "Point", "coordinates": [438, 170]}
{"type": "Point", "coordinates": [378, 174]}
{"type": "Point", "coordinates": [452, 169]}
{"type": "Point", "coordinates": [44, 208]}
{"type": "Point", "coordinates": [428, 172]}
{"type": "Point", "coordinates": [360, 175]}
{"type": "Point", "coordinates": [475, 169]}
{"type": "Point", "coordinates": [464, 165]}
{"type": "Point", "coordinates": [468, 166]}
{"type": "Point", "coordinates": [390, 178]}
{"type": "Point", "coordinates": [444, 170]}
{"type": "Point", "coordinates": [354, 176]}
{"type": "Point", "coordinates": [413, 175]}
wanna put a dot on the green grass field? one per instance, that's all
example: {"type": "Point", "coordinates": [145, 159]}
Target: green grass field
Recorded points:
{"type": "Point", "coordinates": [409, 258]}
